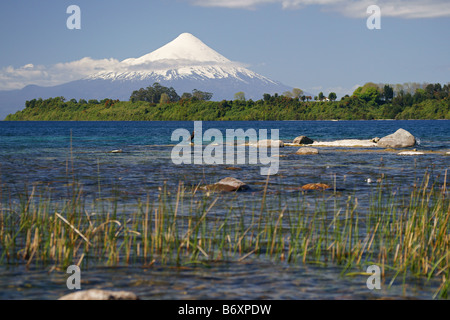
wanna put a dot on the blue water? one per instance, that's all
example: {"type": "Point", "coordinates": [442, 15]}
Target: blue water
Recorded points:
{"type": "Point", "coordinates": [46, 153]}
{"type": "Point", "coordinates": [49, 154]}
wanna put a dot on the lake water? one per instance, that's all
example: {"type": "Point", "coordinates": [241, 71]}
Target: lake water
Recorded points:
{"type": "Point", "coordinates": [44, 153]}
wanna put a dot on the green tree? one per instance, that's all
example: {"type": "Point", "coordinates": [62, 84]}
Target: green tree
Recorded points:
{"type": "Point", "coordinates": [201, 95]}
{"type": "Point", "coordinates": [239, 96]}
{"type": "Point", "coordinates": [164, 99]}
{"type": "Point", "coordinates": [153, 94]}
{"type": "Point", "coordinates": [388, 93]}
{"type": "Point", "coordinates": [186, 96]}
{"type": "Point", "coordinates": [368, 92]}
{"type": "Point", "coordinates": [297, 93]}
{"type": "Point", "coordinates": [332, 96]}
{"type": "Point", "coordinates": [321, 96]}
{"type": "Point", "coordinates": [288, 94]}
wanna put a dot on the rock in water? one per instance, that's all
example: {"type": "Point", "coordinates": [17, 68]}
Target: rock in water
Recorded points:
{"type": "Point", "coordinates": [228, 185]}
{"type": "Point", "coordinates": [400, 139]}
{"type": "Point", "coordinates": [271, 143]}
{"type": "Point", "coordinates": [411, 153]}
{"type": "Point", "coordinates": [303, 140]}
{"type": "Point", "coordinates": [307, 151]}
{"type": "Point", "coordinates": [316, 186]}
{"type": "Point", "coordinates": [95, 294]}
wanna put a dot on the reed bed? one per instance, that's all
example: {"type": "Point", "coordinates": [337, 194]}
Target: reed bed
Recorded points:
{"type": "Point", "coordinates": [403, 235]}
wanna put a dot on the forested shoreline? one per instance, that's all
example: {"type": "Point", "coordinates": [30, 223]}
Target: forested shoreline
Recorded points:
{"type": "Point", "coordinates": [158, 103]}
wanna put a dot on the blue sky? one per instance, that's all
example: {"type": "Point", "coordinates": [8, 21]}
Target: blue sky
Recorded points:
{"type": "Point", "coordinates": [316, 45]}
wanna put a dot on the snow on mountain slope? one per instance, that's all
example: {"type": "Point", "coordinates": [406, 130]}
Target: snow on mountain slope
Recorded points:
{"type": "Point", "coordinates": [185, 64]}
{"type": "Point", "coordinates": [184, 47]}
{"type": "Point", "coordinates": [186, 57]}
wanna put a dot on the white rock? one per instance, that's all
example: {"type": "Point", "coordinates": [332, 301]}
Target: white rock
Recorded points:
{"type": "Point", "coordinates": [303, 151]}
{"type": "Point", "coordinates": [410, 153]}
{"type": "Point", "coordinates": [400, 139]}
{"type": "Point", "coordinates": [346, 143]}
{"type": "Point", "coordinates": [95, 294]}
{"type": "Point", "coordinates": [271, 143]}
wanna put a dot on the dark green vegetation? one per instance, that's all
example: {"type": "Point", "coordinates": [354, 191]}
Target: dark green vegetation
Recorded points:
{"type": "Point", "coordinates": [430, 101]}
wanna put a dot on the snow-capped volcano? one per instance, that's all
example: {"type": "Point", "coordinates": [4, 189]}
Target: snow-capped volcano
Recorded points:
{"type": "Point", "coordinates": [184, 47]}
{"type": "Point", "coordinates": [185, 64]}
{"type": "Point", "coordinates": [185, 58]}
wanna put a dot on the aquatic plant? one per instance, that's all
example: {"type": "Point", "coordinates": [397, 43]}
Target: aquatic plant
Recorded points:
{"type": "Point", "coordinates": [403, 235]}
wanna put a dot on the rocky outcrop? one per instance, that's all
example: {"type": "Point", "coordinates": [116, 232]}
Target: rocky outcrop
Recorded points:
{"type": "Point", "coordinates": [305, 151]}
{"type": "Point", "coordinates": [303, 140]}
{"type": "Point", "coordinates": [95, 294]}
{"type": "Point", "coordinates": [400, 139]}
{"type": "Point", "coordinates": [228, 185]}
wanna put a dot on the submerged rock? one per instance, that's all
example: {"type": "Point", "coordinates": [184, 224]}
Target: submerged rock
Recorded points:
{"type": "Point", "coordinates": [316, 186]}
{"type": "Point", "coordinates": [271, 143]}
{"type": "Point", "coordinates": [304, 151]}
{"type": "Point", "coordinates": [228, 185]}
{"type": "Point", "coordinates": [303, 140]}
{"type": "Point", "coordinates": [348, 143]}
{"type": "Point", "coordinates": [400, 139]}
{"type": "Point", "coordinates": [96, 294]}
{"type": "Point", "coordinates": [410, 153]}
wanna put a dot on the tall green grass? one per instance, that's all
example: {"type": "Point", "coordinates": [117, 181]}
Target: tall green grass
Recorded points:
{"type": "Point", "coordinates": [403, 235]}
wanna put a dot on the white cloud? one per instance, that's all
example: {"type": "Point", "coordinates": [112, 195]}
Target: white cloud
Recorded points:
{"type": "Point", "coordinates": [350, 8]}
{"type": "Point", "coordinates": [16, 78]}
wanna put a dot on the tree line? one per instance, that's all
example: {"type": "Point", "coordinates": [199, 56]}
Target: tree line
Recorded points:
{"type": "Point", "coordinates": [160, 94]}
{"type": "Point", "coordinates": [371, 101]}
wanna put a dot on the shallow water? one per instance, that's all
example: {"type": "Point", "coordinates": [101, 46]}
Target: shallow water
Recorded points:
{"type": "Point", "coordinates": [251, 280]}
{"type": "Point", "coordinates": [48, 154]}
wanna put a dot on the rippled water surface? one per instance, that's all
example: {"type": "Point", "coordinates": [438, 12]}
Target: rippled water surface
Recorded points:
{"type": "Point", "coordinates": [47, 153]}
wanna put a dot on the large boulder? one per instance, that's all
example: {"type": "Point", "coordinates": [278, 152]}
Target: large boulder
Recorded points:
{"type": "Point", "coordinates": [303, 140]}
{"type": "Point", "coordinates": [304, 151]}
{"type": "Point", "coordinates": [400, 139]}
{"type": "Point", "coordinates": [228, 185]}
{"type": "Point", "coordinates": [95, 294]}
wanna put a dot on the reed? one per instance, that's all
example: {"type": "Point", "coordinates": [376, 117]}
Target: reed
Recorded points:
{"type": "Point", "coordinates": [404, 235]}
